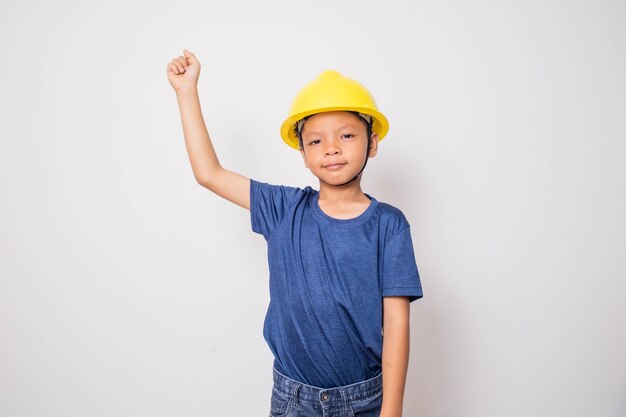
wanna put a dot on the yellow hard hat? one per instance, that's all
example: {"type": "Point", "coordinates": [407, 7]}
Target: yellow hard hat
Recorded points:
{"type": "Point", "coordinates": [332, 91]}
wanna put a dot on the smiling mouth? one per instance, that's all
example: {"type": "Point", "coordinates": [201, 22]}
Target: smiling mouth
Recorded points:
{"type": "Point", "coordinates": [334, 165]}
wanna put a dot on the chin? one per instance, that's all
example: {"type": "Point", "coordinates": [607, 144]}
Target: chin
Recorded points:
{"type": "Point", "coordinates": [334, 180]}
{"type": "Point", "coordinates": [338, 181]}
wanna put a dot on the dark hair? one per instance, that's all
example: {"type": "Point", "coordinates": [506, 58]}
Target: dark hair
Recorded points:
{"type": "Point", "coordinates": [368, 126]}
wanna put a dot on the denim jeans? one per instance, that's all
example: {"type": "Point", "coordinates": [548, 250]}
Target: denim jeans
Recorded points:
{"type": "Point", "coordinates": [291, 398]}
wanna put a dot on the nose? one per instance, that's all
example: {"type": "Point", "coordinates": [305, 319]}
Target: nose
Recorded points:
{"type": "Point", "coordinates": [331, 148]}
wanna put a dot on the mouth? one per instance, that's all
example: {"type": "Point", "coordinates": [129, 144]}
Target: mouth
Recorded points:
{"type": "Point", "coordinates": [335, 166]}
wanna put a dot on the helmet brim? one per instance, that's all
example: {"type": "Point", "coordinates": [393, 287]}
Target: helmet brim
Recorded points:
{"type": "Point", "coordinates": [380, 124]}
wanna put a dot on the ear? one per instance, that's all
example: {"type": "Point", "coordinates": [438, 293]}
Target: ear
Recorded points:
{"type": "Point", "coordinates": [303, 157]}
{"type": "Point", "coordinates": [373, 145]}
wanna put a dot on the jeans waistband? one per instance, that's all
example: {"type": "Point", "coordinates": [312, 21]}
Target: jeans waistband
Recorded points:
{"type": "Point", "coordinates": [308, 393]}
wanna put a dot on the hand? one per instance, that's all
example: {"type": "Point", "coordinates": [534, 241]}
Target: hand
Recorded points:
{"type": "Point", "coordinates": [183, 72]}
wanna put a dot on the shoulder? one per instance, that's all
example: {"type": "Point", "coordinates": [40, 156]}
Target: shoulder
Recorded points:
{"type": "Point", "coordinates": [271, 203]}
{"type": "Point", "coordinates": [265, 186]}
{"type": "Point", "coordinates": [285, 194]}
{"type": "Point", "coordinates": [392, 215]}
{"type": "Point", "coordinates": [391, 220]}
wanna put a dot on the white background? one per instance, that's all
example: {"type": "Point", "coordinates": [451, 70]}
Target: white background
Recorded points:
{"type": "Point", "coordinates": [127, 289]}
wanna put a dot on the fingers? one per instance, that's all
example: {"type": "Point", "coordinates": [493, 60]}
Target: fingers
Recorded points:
{"type": "Point", "coordinates": [190, 58]}
{"type": "Point", "coordinates": [180, 64]}
{"type": "Point", "coordinates": [189, 55]}
{"type": "Point", "coordinates": [173, 68]}
{"type": "Point", "coordinates": [176, 67]}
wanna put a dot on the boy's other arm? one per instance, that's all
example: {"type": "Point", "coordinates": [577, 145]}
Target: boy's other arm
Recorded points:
{"type": "Point", "coordinates": [204, 162]}
{"type": "Point", "coordinates": [395, 354]}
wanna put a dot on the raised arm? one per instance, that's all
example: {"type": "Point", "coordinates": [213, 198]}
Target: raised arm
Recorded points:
{"type": "Point", "coordinates": [183, 73]}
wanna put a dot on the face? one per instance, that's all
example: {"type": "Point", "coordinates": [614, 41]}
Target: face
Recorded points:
{"type": "Point", "coordinates": [335, 145]}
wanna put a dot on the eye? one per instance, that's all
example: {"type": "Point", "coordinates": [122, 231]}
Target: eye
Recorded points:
{"type": "Point", "coordinates": [347, 135]}
{"type": "Point", "coordinates": [314, 142]}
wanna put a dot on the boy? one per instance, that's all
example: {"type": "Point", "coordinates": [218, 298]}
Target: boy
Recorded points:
{"type": "Point", "coordinates": [341, 263]}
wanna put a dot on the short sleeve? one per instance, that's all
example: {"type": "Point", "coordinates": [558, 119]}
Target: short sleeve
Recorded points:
{"type": "Point", "coordinates": [400, 275]}
{"type": "Point", "coordinates": [269, 204]}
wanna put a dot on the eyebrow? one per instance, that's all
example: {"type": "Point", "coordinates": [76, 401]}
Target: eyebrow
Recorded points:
{"type": "Point", "coordinates": [343, 126]}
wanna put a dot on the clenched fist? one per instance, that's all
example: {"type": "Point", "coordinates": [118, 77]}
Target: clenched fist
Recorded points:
{"type": "Point", "coordinates": [183, 72]}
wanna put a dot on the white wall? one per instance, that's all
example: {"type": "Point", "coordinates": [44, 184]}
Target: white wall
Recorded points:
{"type": "Point", "coordinates": [127, 289]}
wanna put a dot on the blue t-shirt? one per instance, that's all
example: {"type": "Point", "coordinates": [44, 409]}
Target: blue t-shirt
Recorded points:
{"type": "Point", "coordinates": [327, 281]}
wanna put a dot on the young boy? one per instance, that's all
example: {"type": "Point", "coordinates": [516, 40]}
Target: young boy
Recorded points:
{"type": "Point", "coordinates": [342, 268]}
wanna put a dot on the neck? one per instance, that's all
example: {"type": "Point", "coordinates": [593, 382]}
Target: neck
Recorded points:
{"type": "Point", "coordinates": [348, 192]}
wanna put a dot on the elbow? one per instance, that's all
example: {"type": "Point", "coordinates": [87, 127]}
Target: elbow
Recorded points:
{"type": "Point", "coordinates": [201, 181]}
{"type": "Point", "coordinates": [204, 181]}
{"type": "Point", "coordinates": [207, 179]}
